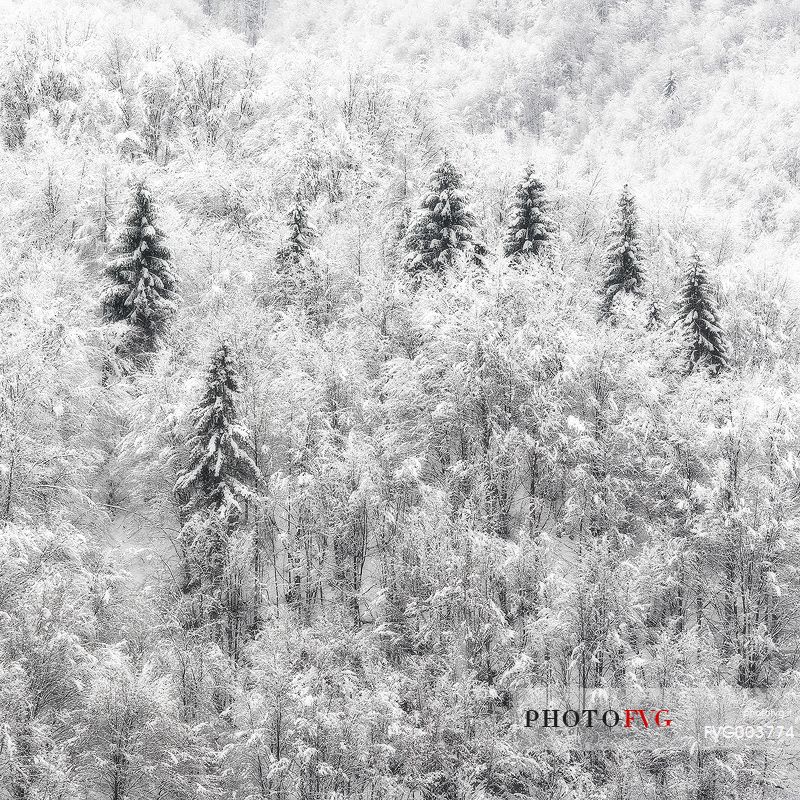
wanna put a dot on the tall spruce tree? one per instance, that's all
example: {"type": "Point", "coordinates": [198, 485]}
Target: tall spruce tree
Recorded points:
{"type": "Point", "coordinates": [698, 320]}
{"type": "Point", "coordinates": [301, 233]}
{"type": "Point", "coordinates": [530, 225]}
{"type": "Point", "coordinates": [221, 476]}
{"type": "Point", "coordinates": [221, 473]}
{"type": "Point", "coordinates": [626, 272]}
{"type": "Point", "coordinates": [654, 317]}
{"type": "Point", "coordinates": [141, 288]}
{"type": "Point", "coordinates": [670, 85]}
{"type": "Point", "coordinates": [294, 260]}
{"type": "Point", "coordinates": [443, 227]}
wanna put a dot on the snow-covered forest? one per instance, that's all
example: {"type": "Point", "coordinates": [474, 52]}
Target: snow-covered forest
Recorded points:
{"type": "Point", "coordinates": [365, 363]}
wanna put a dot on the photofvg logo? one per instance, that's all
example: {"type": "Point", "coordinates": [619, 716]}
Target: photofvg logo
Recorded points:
{"type": "Point", "coordinates": [719, 717]}
{"type": "Point", "coordinates": [601, 727]}
{"type": "Point", "coordinates": [588, 717]}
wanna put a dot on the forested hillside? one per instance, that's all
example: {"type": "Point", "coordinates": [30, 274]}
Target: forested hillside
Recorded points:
{"type": "Point", "coordinates": [366, 364]}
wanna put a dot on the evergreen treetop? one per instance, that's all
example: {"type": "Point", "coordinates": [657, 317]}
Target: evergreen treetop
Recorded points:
{"type": "Point", "coordinates": [142, 286]}
{"type": "Point", "coordinates": [698, 321]}
{"type": "Point", "coordinates": [530, 225]}
{"type": "Point", "coordinates": [301, 234]}
{"type": "Point", "coordinates": [670, 85]}
{"type": "Point", "coordinates": [654, 316]}
{"type": "Point", "coordinates": [296, 270]}
{"type": "Point", "coordinates": [443, 226]}
{"type": "Point", "coordinates": [220, 471]}
{"type": "Point", "coordinates": [626, 272]}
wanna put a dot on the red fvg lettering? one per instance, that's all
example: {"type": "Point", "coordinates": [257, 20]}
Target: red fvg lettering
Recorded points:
{"type": "Point", "coordinates": [632, 713]}
{"type": "Point", "coordinates": [665, 723]}
{"type": "Point", "coordinates": [629, 716]}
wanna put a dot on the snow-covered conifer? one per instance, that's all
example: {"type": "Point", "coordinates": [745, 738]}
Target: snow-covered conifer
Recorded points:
{"type": "Point", "coordinates": [141, 288]}
{"type": "Point", "coordinates": [301, 233]}
{"type": "Point", "coordinates": [670, 85]}
{"type": "Point", "coordinates": [443, 226]}
{"type": "Point", "coordinates": [625, 271]}
{"type": "Point", "coordinates": [221, 473]}
{"type": "Point", "coordinates": [698, 320]}
{"type": "Point", "coordinates": [654, 315]}
{"type": "Point", "coordinates": [294, 260]}
{"type": "Point", "coordinates": [530, 226]}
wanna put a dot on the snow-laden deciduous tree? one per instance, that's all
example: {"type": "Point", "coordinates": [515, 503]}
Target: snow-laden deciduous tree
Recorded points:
{"type": "Point", "coordinates": [49, 401]}
{"type": "Point", "coordinates": [20, 90]}
{"type": "Point", "coordinates": [54, 600]}
{"type": "Point", "coordinates": [133, 742]}
{"type": "Point", "coordinates": [141, 288]}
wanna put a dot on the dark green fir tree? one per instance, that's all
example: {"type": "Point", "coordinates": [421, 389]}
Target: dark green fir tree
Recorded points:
{"type": "Point", "coordinates": [626, 272]}
{"type": "Point", "coordinates": [670, 85]}
{"type": "Point", "coordinates": [221, 473]}
{"type": "Point", "coordinates": [301, 233]}
{"type": "Point", "coordinates": [294, 261]}
{"type": "Point", "coordinates": [442, 228]}
{"type": "Point", "coordinates": [654, 317]}
{"type": "Point", "coordinates": [220, 477]}
{"type": "Point", "coordinates": [697, 319]}
{"type": "Point", "coordinates": [141, 284]}
{"type": "Point", "coordinates": [530, 226]}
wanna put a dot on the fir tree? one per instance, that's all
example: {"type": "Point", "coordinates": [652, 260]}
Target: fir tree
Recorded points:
{"type": "Point", "coordinates": [220, 477]}
{"type": "Point", "coordinates": [142, 285]}
{"type": "Point", "coordinates": [443, 227]}
{"type": "Point", "coordinates": [626, 271]}
{"type": "Point", "coordinates": [670, 85]}
{"type": "Point", "coordinates": [698, 321]}
{"type": "Point", "coordinates": [301, 233]}
{"type": "Point", "coordinates": [654, 316]}
{"type": "Point", "coordinates": [294, 260]}
{"type": "Point", "coordinates": [220, 471]}
{"type": "Point", "coordinates": [530, 225]}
